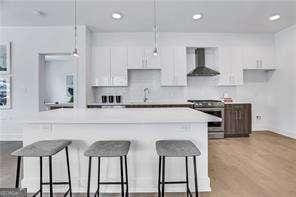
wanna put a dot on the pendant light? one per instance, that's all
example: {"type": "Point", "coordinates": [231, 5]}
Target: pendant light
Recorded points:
{"type": "Point", "coordinates": [155, 29]}
{"type": "Point", "coordinates": [75, 51]}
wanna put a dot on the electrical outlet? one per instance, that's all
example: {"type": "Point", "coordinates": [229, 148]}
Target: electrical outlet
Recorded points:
{"type": "Point", "coordinates": [259, 117]}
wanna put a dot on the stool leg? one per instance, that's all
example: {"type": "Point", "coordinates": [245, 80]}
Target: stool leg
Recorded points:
{"type": "Point", "coordinates": [50, 177]}
{"type": "Point", "coordinates": [99, 176]}
{"type": "Point", "coordinates": [187, 181]}
{"type": "Point", "coordinates": [41, 179]}
{"type": "Point", "coordinates": [159, 175]}
{"type": "Point", "coordinates": [89, 173]}
{"type": "Point", "coordinates": [195, 176]}
{"type": "Point", "coordinates": [121, 174]}
{"type": "Point", "coordinates": [163, 175]}
{"type": "Point", "coordinates": [68, 168]}
{"type": "Point", "coordinates": [18, 169]}
{"type": "Point", "coordinates": [126, 175]}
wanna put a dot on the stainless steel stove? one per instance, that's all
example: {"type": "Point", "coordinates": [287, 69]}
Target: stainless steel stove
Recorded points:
{"type": "Point", "coordinates": [215, 108]}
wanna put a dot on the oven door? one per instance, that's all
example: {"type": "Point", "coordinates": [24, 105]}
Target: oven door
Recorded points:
{"type": "Point", "coordinates": [219, 112]}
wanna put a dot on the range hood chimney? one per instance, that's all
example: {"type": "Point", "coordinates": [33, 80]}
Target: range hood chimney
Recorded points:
{"type": "Point", "coordinates": [200, 68]}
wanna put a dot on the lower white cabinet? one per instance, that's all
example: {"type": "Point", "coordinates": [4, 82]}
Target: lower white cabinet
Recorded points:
{"type": "Point", "coordinates": [173, 66]}
{"type": "Point", "coordinates": [109, 66]}
{"type": "Point", "coordinates": [231, 66]}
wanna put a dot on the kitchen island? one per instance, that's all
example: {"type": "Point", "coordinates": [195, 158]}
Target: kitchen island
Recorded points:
{"type": "Point", "coordinates": [143, 127]}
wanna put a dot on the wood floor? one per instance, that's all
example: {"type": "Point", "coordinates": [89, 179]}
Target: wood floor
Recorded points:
{"type": "Point", "coordinates": [263, 165]}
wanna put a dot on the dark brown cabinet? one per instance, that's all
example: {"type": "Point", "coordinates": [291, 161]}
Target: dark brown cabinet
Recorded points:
{"type": "Point", "coordinates": [238, 120]}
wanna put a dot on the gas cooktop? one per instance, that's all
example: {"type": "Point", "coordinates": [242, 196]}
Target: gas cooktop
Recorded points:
{"type": "Point", "coordinates": [207, 103]}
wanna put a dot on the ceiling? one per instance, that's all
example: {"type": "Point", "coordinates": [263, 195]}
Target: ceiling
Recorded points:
{"type": "Point", "coordinates": [173, 16]}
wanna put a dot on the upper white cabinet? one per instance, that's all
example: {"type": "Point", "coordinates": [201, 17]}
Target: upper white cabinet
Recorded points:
{"type": "Point", "coordinates": [173, 66]}
{"type": "Point", "coordinates": [231, 66]}
{"type": "Point", "coordinates": [118, 66]}
{"type": "Point", "coordinates": [109, 66]}
{"type": "Point", "coordinates": [142, 58]}
{"type": "Point", "coordinates": [101, 66]}
{"type": "Point", "coordinates": [259, 57]}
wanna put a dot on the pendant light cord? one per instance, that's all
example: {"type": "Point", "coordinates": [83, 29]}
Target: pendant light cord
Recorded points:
{"type": "Point", "coordinates": [155, 25]}
{"type": "Point", "coordinates": [75, 23]}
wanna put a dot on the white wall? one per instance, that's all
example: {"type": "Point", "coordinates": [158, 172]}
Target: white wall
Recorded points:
{"type": "Point", "coordinates": [27, 44]}
{"type": "Point", "coordinates": [282, 92]}
{"type": "Point", "coordinates": [255, 83]}
{"type": "Point", "coordinates": [55, 80]}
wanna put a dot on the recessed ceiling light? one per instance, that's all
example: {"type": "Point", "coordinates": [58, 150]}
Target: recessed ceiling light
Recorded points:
{"type": "Point", "coordinates": [274, 17]}
{"type": "Point", "coordinates": [197, 16]}
{"type": "Point", "coordinates": [117, 16]}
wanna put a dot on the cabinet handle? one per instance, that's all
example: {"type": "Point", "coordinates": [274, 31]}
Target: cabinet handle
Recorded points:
{"type": "Point", "coordinates": [257, 61]}
{"type": "Point", "coordinates": [260, 63]}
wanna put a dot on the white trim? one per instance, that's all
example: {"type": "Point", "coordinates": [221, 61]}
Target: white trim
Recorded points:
{"type": "Point", "coordinates": [290, 134]}
{"type": "Point", "coordinates": [79, 186]}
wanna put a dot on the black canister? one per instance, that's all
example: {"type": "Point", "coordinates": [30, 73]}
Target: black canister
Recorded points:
{"type": "Point", "coordinates": [118, 99]}
{"type": "Point", "coordinates": [111, 98]}
{"type": "Point", "coordinates": [104, 99]}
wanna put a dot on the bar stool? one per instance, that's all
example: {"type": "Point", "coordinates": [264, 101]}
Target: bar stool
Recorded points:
{"type": "Point", "coordinates": [176, 148]}
{"type": "Point", "coordinates": [46, 148]}
{"type": "Point", "coordinates": [108, 149]}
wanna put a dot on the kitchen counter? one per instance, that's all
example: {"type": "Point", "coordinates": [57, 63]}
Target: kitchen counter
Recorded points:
{"type": "Point", "coordinates": [121, 115]}
{"type": "Point", "coordinates": [142, 126]}
{"type": "Point", "coordinates": [144, 104]}
{"type": "Point", "coordinates": [52, 106]}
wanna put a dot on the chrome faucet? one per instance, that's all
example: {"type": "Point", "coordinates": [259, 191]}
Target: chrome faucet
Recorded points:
{"type": "Point", "coordinates": [146, 92]}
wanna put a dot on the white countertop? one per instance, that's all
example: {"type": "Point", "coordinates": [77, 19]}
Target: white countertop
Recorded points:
{"type": "Point", "coordinates": [121, 115]}
{"type": "Point", "coordinates": [59, 104]}
{"type": "Point", "coordinates": [147, 103]}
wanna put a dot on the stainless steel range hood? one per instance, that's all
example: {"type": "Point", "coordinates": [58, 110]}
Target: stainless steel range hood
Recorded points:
{"type": "Point", "coordinates": [201, 69]}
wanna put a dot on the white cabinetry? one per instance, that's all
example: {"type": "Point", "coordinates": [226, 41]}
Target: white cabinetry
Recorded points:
{"type": "Point", "coordinates": [142, 58]}
{"type": "Point", "coordinates": [231, 63]}
{"type": "Point", "coordinates": [110, 66]}
{"type": "Point", "coordinates": [118, 66]}
{"type": "Point", "coordinates": [101, 66]}
{"type": "Point", "coordinates": [173, 66]}
{"type": "Point", "coordinates": [259, 57]}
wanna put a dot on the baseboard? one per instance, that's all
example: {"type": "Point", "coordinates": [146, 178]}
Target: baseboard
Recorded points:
{"type": "Point", "coordinates": [289, 134]}
{"type": "Point", "coordinates": [79, 186]}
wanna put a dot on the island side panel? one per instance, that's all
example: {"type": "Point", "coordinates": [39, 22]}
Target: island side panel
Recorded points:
{"type": "Point", "coordinates": [142, 159]}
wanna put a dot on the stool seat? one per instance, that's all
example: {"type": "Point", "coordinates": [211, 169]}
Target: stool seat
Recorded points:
{"type": "Point", "coordinates": [176, 148]}
{"type": "Point", "coordinates": [108, 149]}
{"type": "Point", "coordinates": [42, 148]}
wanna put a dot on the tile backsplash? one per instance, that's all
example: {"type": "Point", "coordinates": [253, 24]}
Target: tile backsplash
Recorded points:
{"type": "Point", "coordinates": [138, 80]}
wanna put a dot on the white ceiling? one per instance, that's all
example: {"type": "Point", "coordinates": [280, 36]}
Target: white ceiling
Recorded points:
{"type": "Point", "coordinates": [173, 16]}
